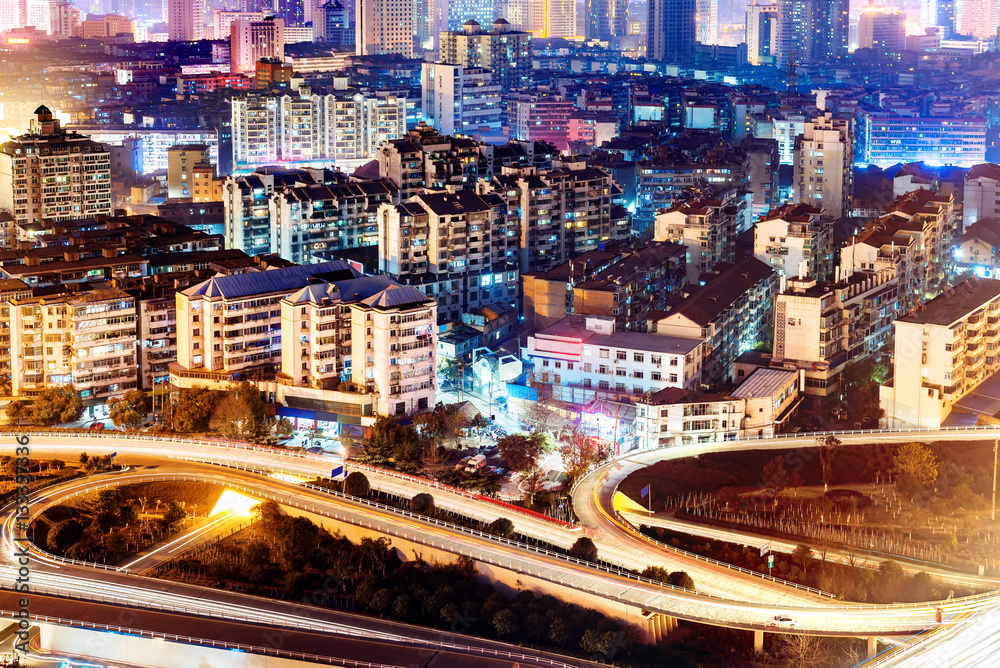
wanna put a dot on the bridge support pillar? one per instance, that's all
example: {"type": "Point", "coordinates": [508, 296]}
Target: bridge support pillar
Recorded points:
{"type": "Point", "coordinates": [758, 642]}
{"type": "Point", "coordinates": [872, 646]}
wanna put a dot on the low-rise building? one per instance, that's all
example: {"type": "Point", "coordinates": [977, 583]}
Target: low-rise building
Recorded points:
{"type": "Point", "coordinates": [796, 240]}
{"type": "Point", "coordinates": [584, 357]}
{"type": "Point", "coordinates": [977, 248]}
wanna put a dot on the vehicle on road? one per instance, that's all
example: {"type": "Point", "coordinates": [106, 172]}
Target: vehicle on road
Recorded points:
{"type": "Point", "coordinates": [782, 621]}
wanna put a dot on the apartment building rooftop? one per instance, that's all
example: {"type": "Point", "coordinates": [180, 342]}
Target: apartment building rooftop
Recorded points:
{"type": "Point", "coordinates": [705, 303]}
{"type": "Point", "coordinates": [451, 204]}
{"type": "Point", "coordinates": [763, 383]}
{"type": "Point", "coordinates": [271, 281]}
{"type": "Point", "coordinates": [955, 303]}
{"type": "Point", "coordinates": [575, 327]}
{"type": "Point", "coordinates": [678, 395]}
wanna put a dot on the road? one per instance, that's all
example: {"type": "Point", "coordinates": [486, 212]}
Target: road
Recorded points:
{"type": "Point", "coordinates": [205, 533]}
{"type": "Point", "coordinates": [748, 602]}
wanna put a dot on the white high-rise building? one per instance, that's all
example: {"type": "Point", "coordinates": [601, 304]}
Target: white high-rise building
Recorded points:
{"type": "Point", "coordinates": [249, 41]}
{"type": "Point", "coordinates": [761, 33]}
{"type": "Point", "coordinates": [824, 165]}
{"type": "Point", "coordinates": [186, 20]}
{"type": "Point", "coordinates": [462, 100]}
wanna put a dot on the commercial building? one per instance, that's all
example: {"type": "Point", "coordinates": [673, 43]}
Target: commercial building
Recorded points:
{"type": "Point", "coordinates": [153, 142]}
{"type": "Point", "coordinates": [457, 99]}
{"type": "Point", "coordinates": [385, 27]}
{"type": "Point", "coordinates": [671, 32]}
{"type": "Point", "coordinates": [824, 165]}
{"type": "Point", "coordinates": [761, 33]}
{"type": "Point", "coordinates": [883, 30]}
{"type": "Point", "coordinates": [582, 358]}
{"type": "Point", "coordinates": [796, 240]}
{"type": "Point", "coordinates": [186, 20]}
{"type": "Point", "coordinates": [108, 25]}
{"type": "Point", "coordinates": [251, 40]}
{"type": "Point", "coordinates": [332, 25]}
{"type": "Point", "coordinates": [53, 173]}
{"type": "Point", "coordinates": [886, 137]}
{"type": "Point", "coordinates": [731, 313]}
{"type": "Point", "coordinates": [541, 116]}
{"type": "Point", "coordinates": [942, 352]}
{"type": "Point", "coordinates": [505, 52]}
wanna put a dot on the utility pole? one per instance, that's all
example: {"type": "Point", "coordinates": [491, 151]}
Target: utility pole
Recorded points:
{"type": "Point", "coordinates": [996, 445]}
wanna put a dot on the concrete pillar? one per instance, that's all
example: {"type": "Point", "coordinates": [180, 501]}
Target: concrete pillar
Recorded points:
{"type": "Point", "coordinates": [758, 642]}
{"type": "Point", "coordinates": [673, 623]}
{"type": "Point", "coordinates": [872, 646]}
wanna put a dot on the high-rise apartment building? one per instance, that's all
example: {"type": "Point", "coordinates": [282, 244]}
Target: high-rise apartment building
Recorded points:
{"type": "Point", "coordinates": [332, 25]}
{"type": "Point", "coordinates": [186, 20]}
{"type": "Point", "coordinates": [426, 159]}
{"type": "Point", "coordinates": [307, 127]}
{"type": "Point", "coordinates": [562, 212]}
{"type": "Point", "coordinates": [671, 29]}
{"type": "Point", "coordinates": [323, 333]}
{"type": "Point", "coordinates": [454, 246]}
{"type": "Point", "coordinates": [461, 100]}
{"type": "Point", "coordinates": [385, 26]}
{"type": "Point", "coordinates": [300, 214]}
{"type": "Point", "coordinates": [707, 21]}
{"type": "Point", "coordinates": [64, 19]}
{"type": "Point", "coordinates": [824, 165]}
{"type": "Point", "coordinates": [812, 30]}
{"type": "Point", "coordinates": [84, 339]}
{"type": "Point", "coordinates": [223, 21]}
{"type": "Point", "coordinates": [540, 116]}
{"type": "Point", "coordinates": [51, 173]}
{"type": "Point", "coordinates": [943, 350]}
{"type": "Point", "coordinates": [292, 12]}
{"type": "Point", "coordinates": [505, 52]}
{"type": "Point", "coordinates": [820, 327]}
{"type": "Point", "coordinates": [249, 41]}
{"type": "Point", "coordinates": [707, 224]}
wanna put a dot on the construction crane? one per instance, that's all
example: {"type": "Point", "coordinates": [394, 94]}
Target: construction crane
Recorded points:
{"type": "Point", "coordinates": [988, 421]}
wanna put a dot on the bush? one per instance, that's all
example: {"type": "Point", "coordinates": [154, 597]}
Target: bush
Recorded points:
{"type": "Point", "coordinates": [681, 579]}
{"type": "Point", "coordinates": [356, 484]}
{"type": "Point", "coordinates": [584, 549]}
{"type": "Point", "coordinates": [502, 527]}
{"type": "Point", "coordinates": [422, 504]}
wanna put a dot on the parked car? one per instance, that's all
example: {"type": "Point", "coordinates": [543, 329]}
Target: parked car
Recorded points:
{"type": "Point", "coordinates": [463, 462]}
{"type": "Point", "coordinates": [782, 621]}
{"type": "Point", "coordinates": [476, 463]}
{"type": "Point", "coordinates": [97, 426]}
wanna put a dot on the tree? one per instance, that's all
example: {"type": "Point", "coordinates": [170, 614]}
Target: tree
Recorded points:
{"type": "Point", "coordinates": [444, 423]}
{"type": "Point", "coordinates": [657, 573]}
{"type": "Point", "coordinates": [773, 476]}
{"type": "Point", "coordinates": [172, 517]}
{"type": "Point", "coordinates": [422, 504]}
{"type": "Point", "coordinates": [284, 428]}
{"type": "Point", "coordinates": [56, 405]}
{"type": "Point", "coordinates": [232, 417]}
{"type": "Point", "coordinates": [356, 484]}
{"type": "Point", "coordinates": [249, 394]}
{"type": "Point", "coordinates": [802, 555]}
{"type": "Point", "coordinates": [681, 579]}
{"type": "Point", "coordinates": [584, 549]}
{"type": "Point", "coordinates": [827, 451]}
{"type": "Point", "coordinates": [506, 623]}
{"type": "Point", "coordinates": [521, 450]}
{"type": "Point", "coordinates": [128, 410]}
{"type": "Point", "coordinates": [193, 409]}
{"type": "Point", "coordinates": [502, 527]}
{"type": "Point", "coordinates": [271, 519]}
{"type": "Point", "coordinates": [299, 539]}
{"type": "Point", "coordinates": [391, 443]}
{"type": "Point", "coordinates": [581, 452]}
{"type": "Point", "coordinates": [18, 410]}
{"type": "Point", "coordinates": [106, 507]}
{"type": "Point", "coordinates": [916, 467]}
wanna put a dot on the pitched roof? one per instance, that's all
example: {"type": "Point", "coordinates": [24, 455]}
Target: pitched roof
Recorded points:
{"type": "Point", "coordinates": [704, 304]}
{"type": "Point", "coordinates": [397, 295]}
{"type": "Point", "coordinates": [287, 279]}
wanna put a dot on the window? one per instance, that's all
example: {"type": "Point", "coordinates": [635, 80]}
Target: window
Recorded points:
{"type": "Point", "coordinates": [654, 375]}
{"type": "Point", "coordinates": [655, 359]}
{"type": "Point", "coordinates": [621, 355]}
{"type": "Point", "coordinates": [604, 385]}
{"type": "Point", "coordinates": [637, 374]}
{"type": "Point", "coordinates": [558, 365]}
{"type": "Point", "coordinates": [545, 362]}
{"type": "Point", "coordinates": [586, 382]}
{"type": "Point", "coordinates": [638, 357]}
{"type": "Point", "coordinates": [620, 372]}
{"type": "Point", "coordinates": [569, 365]}
{"type": "Point", "coordinates": [586, 367]}
{"type": "Point", "coordinates": [604, 353]}
{"type": "Point", "coordinates": [673, 378]}
{"type": "Point", "coordinates": [620, 387]}
{"type": "Point", "coordinates": [673, 361]}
